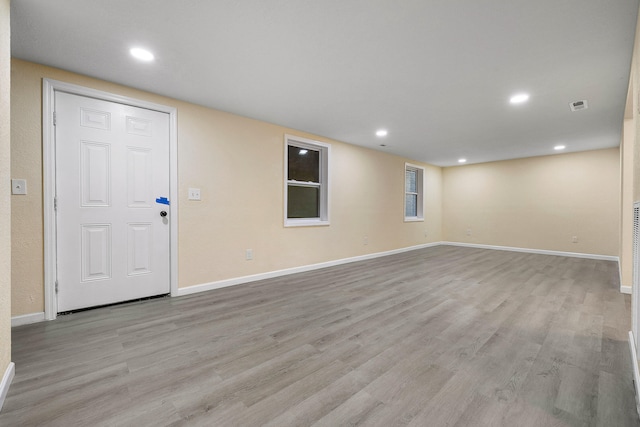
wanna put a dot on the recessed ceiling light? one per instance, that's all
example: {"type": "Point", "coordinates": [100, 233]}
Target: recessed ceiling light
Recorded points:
{"type": "Point", "coordinates": [462, 160]}
{"type": "Point", "coordinates": [519, 98]}
{"type": "Point", "coordinates": [381, 132]}
{"type": "Point", "coordinates": [141, 54]}
{"type": "Point", "coordinates": [559, 147]}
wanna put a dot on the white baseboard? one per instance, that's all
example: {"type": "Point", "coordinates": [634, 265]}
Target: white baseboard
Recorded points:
{"type": "Point", "coordinates": [625, 289]}
{"type": "Point", "coordinates": [636, 369]}
{"type": "Point", "coordinates": [535, 251]}
{"type": "Point", "coordinates": [6, 382]}
{"type": "Point", "coordinates": [27, 319]}
{"type": "Point", "coordinates": [271, 274]}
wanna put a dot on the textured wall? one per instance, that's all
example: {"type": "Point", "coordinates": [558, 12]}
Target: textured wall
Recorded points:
{"type": "Point", "coordinates": [238, 165]}
{"type": "Point", "coordinates": [537, 203]}
{"type": "Point", "coordinates": [5, 197]}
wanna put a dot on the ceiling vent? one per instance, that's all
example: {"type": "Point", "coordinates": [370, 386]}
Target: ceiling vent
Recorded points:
{"type": "Point", "coordinates": [578, 105]}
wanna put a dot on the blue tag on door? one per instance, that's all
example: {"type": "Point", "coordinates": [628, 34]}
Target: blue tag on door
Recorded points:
{"type": "Point", "coordinates": [162, 200]}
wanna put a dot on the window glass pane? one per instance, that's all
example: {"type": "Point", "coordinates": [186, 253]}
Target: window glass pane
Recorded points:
{"type": "Point", "coordinates": [304, 164]}
{"type": "Point", "coordinates": [411, 205]}
{"type": "Point", "coordinates": [410, 181]}
{"type": "Point", "coordinates": [303, 202]}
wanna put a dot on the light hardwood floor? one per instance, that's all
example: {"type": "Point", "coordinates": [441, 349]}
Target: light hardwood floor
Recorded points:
{"type": "Point", "coordinates": [444, 336]}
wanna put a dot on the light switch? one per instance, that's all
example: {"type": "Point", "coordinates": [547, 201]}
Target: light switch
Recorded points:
{"type": "Point", "coordinates": [18, 186]}
{"type": "Point", "coordinates": [194, 194]}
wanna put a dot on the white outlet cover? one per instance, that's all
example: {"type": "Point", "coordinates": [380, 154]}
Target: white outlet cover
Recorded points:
{"type": "Point", "coordinates": [18, 186]}
{"type": "Point", "coordinates": [194, 194]}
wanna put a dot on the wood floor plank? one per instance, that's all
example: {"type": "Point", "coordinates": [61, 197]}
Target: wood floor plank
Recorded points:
{"type": "Point", "coordinates": [431, 337]}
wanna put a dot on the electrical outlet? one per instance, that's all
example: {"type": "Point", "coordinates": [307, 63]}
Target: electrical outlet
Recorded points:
{"type": "Point", "coordinates": [19, 186]}
{"type": "Point", "coordinates": [468, 232]}
{"type": "Point", "coordinates": [248, 254]}
{"type": "Point", "coordinates": [425, 233]}
{"type": "Point", "coordinates": [365, 241]}
{"type": "Point", "coordinates": [574, 239]}
{"type": "Point", "coordinates": [194, 194]}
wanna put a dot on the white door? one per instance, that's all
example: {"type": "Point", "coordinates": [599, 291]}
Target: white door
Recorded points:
{"type": "Point", "coordinates": [112, 179]}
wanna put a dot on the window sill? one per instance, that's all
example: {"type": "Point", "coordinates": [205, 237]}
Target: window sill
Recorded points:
{"type": "Point", "coordinates": [305, 223]}
{"type": "Point", "coordinates": [413, 219]}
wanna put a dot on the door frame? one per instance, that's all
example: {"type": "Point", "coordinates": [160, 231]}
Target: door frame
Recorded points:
{"type": "Point", "coordinates": [49, 88]}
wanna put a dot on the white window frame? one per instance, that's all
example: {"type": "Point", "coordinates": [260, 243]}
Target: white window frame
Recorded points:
{"type": "Point", "coordinates": [325, 154]}
{"type": "Point", "coordinates": [419, 193]}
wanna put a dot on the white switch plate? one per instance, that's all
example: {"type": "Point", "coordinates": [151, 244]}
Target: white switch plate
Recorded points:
{"type": "Point", "coordinates": [18, 186]}
{"type": "Point", "coordinates": [194, 194]}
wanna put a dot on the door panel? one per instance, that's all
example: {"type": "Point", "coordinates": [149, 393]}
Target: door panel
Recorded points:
{"type": "Point", "coordinates": [139, 178]}
{"type": "Point", "coordinates": [112, 162]}
{"type": "Point", "coordinates": [95, 252]}
{"type": "Point", "coordinates": [140, 242]}
{"type": "Point", "coordinates": [95, 174]}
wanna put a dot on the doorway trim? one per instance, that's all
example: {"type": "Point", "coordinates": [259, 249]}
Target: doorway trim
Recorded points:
{"type": "Point", "coordinates": [49, 88]}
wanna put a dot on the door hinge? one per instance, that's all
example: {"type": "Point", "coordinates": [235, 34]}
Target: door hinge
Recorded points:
{"type": "Point", "coordinates": [54, 118]}
{"type": "Point", "coordinates": [56, 286]}
{"type": "Point", "coordinates": [55, 203]}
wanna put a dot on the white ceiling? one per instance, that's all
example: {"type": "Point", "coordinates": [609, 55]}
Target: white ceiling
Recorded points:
{"type": "Point", "coordinates": [437, 74]}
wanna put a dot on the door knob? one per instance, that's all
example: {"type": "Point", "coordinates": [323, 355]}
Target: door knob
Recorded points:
{"type": "Point", "coordinates": [163, 213]}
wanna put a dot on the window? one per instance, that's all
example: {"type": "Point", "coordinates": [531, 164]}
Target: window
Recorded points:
{"type": "Point", "coordinates": [306, 182]}
{"type": "Point", "coordinates": [413, 192]}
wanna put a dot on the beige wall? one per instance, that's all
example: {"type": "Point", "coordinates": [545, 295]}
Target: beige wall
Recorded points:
{"type": "Point", "coordinates": [635, 89]}
{"type": "Point", "coordinates": [630, 161]}
{"type": "Point", "coordinates": [5, 198]}
{"type": "Point", "coordinates": [238, 165]}
{"type": "Point", "coordinates": [635, 108]}
{"type": "Point", "coordinates": [630, 164]}
{"type": "Point", "coordinates": [626, 203]}
{"type": "Point", "coordinates": [537, 203]}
